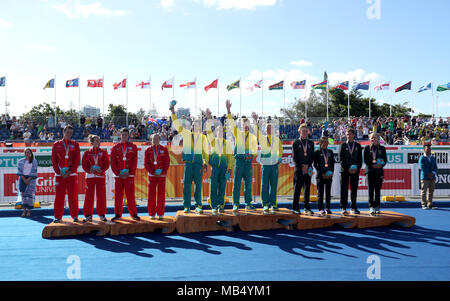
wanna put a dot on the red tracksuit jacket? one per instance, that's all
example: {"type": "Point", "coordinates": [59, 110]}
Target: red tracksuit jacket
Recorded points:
{"type": "Point", "coordinates": [88, 161]}
{"type": "Point", "coordinates": [117, 162]}
{"type": "Point", "coordinates": [163, 160]}
{"type": "Point", "coordinates": [59, 153]}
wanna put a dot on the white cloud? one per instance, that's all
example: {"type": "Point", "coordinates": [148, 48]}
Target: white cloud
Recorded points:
{"type": "Point", "coordinates": [4, 23]}
{"type": "Point", "coordinates": [238, 4]}
{"type": "Point", "coordinates": [358, 75]}
{"type": "Point", "coordinates": [167, 3]}
{"type": "Point", "coordinates": [75, 10]}
{"type": "Point", "coordinates": [301, 63]}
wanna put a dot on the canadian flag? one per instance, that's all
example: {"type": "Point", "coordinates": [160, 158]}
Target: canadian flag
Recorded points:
{"type": "Point", "coordinates": [122, 84]}
{"type": "Point", "coordinates": [168, 84]}
{"type": "Point", "coordinates": [93, 83]}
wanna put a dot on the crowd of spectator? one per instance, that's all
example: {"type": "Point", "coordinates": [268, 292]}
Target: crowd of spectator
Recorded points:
{"type": "Point", "coordinates": [393, 131]}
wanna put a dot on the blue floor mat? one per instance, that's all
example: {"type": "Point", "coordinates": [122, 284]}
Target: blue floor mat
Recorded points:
{"type": "Point", "coordinates": [419, 253]}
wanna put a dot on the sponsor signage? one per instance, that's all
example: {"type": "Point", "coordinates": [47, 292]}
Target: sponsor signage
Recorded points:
{"type": "Point", "coordinates": [45, 184]}
{"type": "Point", "coordinates": [441, 157]}
{"type": "Point", "coordinates": [443, 179]}
{"type": "Point", "coordinates": [394, 179]}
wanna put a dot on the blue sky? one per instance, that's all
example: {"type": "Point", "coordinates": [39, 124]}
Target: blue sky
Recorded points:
{"type": "Point", "coordinates": [229, 39]}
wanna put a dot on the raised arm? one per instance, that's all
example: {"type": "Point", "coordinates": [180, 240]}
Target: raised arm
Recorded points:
{"type": "Point", "coordinates": [231, 124]}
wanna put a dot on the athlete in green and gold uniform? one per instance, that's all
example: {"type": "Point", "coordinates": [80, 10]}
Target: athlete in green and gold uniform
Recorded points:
{"type": "Point", "coordinates": [245, 150]}
{"type": "Point", "coordinates": [195, 158]}
{"type": "Point", "coordinates": [271, 157]}
{"type": "Point", "coordinates": [221, 160]}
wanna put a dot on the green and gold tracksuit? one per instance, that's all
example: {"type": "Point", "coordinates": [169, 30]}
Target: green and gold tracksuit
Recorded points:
{"type": "Point", "coordinates": [271, 155]}
{"type": "Point", "coordinates": [245, 150]}
{"type": "Point", "coordinates": [221, 159]}
{"type": "Point", "coordinates": [194, 156]}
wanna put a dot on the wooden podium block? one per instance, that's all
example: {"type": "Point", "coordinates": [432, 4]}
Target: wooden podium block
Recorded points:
{"type": "Point", "coordinates": [305, 222]}
{"type": "Point", "coordinates": [126, 225]}
{"type": "Point", "coordinates": [69, 228]}
{"type": "Point", "coordinates": [386, 218]}
{"type": "Point", "coordinates": [191, 222]}
{"type": "Point", "coordinates": [257, 220]}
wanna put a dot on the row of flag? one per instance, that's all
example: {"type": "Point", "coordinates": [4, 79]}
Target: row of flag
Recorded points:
{"type": "Point", "coordinates": [98, 83]}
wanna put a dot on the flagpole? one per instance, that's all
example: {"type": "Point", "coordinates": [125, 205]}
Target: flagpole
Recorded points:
{"type": "Point", "coordinates": [390, 106]}
{"type": "Point", "coordinates": [432, 95]}
{"type": "Point", "coordinates": [173, 87]}
{"type": "Point", "coordinates": [306, 102]}
{"type": "Point", "coordinates": [127, 96]}
{"type": "Point", "coordinates": [262, 97]}
{"type": "Point", "coordinates": [370, 103]}
{"type": "Point", "coordinates": [150, 82]}
{"type": "Point", "coordinates": [348, 104]}
{"type": "Point", "coordinates": [218, 99]}
{"type": "Point", "coordinates": [240, 98]}
{"type": "Point", "coordinates": [79, 96]}
{"type": "Point", "coordinates": [54, 85]}
{"type": "Point", "coordinates": [284, 100]}
{"type": "Point", "coordinates": [6, 94]}
{"type": "Point", "coordinates": [195, 80]}
{"type": "Point", "coordinates": [103, 88]}
{"type": "Point", "coordinates": [327, 100]}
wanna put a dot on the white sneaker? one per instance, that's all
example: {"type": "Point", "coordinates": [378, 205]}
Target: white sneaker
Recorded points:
{"type": "Point", "coordinates": [152, 217]}
{"type": "Point", "coordinates": [266, 210]}
{"type": "Point", "coordinates": [160, 217]}
{"type": "Point", "coordinates": [215, 212]}
{"type": "Point", "coordinates": [198, 210]}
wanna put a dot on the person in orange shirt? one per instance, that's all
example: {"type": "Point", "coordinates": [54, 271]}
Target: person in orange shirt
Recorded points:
{"type": "Point", "coordinates": [124, 157]}
{"type": "Point", "coordinates": [95, 163]}
{"type": "Point", "coordinates": [157, 162]}
{"type": "Point", "coordinates": [65, 162]}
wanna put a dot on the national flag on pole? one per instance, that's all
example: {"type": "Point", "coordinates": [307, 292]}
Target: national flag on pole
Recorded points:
{"type": "Point", "coordinates": [443, 88]}
{"type": "Point", "coordinates": [72, 83]}
{"type": "Point", "coordinates": [383, 86]}
{"type": "Point", "coordinates": [277, 86]}
{"type": "Point", "coordinates": [188, 85]}
{"type": "Point", "coordinates": [320, 86]}
{"type": "Point", "coordinates": [425, 88]}
{"type": "Point", "coordinates": [120, 85]}
{"type": "Point", "coordinates": [2, 81]}
{"type": "Point", "coordinates": [362, 86]}
{"type": "Point", "coordinates": [213, 85]}
{"type": "Point", "coordinates": [95, 83]}
{"type": "Point", "coordinates": [342, 86]}
{"type": "Point", "coordinates": [298, 85]}
{"type": "Point", "coordinates": [235, 85]}
{"type": "Point", "coordinates": [168, 84]}
{"type": "Point", "coordinates": [144, 85]}
{"type": "Point", "coordinates": [258, 85]}
{"type": "Point", "coordinates": [406, 86]}
{"type": "Point", "coordinates": [50, 84]}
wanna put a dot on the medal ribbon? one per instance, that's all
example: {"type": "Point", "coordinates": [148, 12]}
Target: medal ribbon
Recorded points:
{"type": "Point", "coordinates": [67, 148]}
{"type": "Point", "coordinates": [124, 153]}
{"type": "Point", "coordinates": [155, 156]}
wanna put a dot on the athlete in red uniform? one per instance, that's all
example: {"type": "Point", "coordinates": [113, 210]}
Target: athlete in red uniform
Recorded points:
{"type": "Point", "coordinates": [157, 161]}
{"type": "Point", "coordinates": [124, 157]}
{"type": "Point", "coordinates": [65, 162]}
{"type": "Point", "coordinates": [95, 163]}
